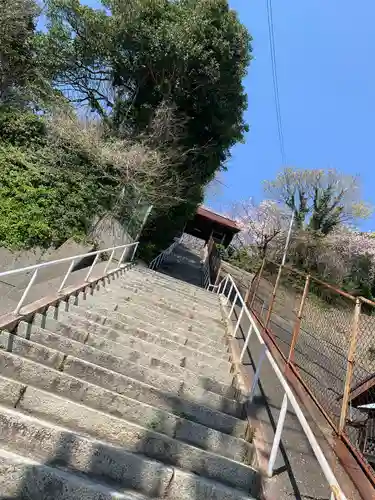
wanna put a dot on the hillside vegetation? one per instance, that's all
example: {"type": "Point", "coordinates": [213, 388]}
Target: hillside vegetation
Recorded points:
{"type": "Point", "coordinates": [108, 110]}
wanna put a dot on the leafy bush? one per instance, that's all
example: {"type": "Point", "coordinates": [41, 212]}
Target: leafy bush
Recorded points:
{"type": "Point", "coordinates": [21, 128]}
{"type": "Point", "coordinates": [40, 205]}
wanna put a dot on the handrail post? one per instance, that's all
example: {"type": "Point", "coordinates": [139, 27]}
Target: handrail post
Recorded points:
{"type": "Point", "coordinates": [257, 373]}
{"type": "Point", "coordinates": [277, 438]}
{"type": "Point", "coordinates": [225, 284]}
{"type": "Point", "coordinates": [246, 343]}
{"type": "Point", "coordinates": [134, 251]}
{"type": "Point", "coordinates": [92, 266]}
{"type": "Point", "coordinates": [109, 261]}
{"type": "Point", "coordinates": [122, 257]}
{"type": "Point", "coordinates": [350, 364]}
{"type": "Point", "coordinates": [66, 276]}
{"type": "Point", "coordinates": [238, 321]}
{"type": "Point", "coordinates": [297, 325]}
{"type": "Point", "coordinates": [25, 293]}
{"type": "Point", "coordinates": [229, 294]}
{"type": "Point", "coordinates": [233, 305]}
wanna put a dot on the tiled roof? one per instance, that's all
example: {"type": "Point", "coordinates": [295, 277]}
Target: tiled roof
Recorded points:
{"type": "Point", "coordinates": [220, 219]}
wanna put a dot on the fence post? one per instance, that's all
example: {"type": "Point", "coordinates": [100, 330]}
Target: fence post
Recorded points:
{"type": "Point", "coordinates": [268, 317]}
{"type": "Point", "coordinates": [350, 364]}
{"type": "Point", "coordinates": [297, 325]}
{"type": "Point", "coordinates": [257, 283]}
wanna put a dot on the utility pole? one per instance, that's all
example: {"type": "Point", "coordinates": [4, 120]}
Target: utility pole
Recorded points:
{"type": "Point", "coordinates": [288, 238]}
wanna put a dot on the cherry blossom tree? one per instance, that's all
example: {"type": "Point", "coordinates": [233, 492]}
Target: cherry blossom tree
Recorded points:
{"type": "Point", "coordinates": [261, 224]}
{"type": "Point", "coordinates": [345, 257]}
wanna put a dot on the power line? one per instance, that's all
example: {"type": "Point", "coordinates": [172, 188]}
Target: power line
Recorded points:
{"type": "Point", "coordinates": [275, 81]}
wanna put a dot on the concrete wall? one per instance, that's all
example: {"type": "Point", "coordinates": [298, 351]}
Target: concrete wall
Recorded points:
{"type": "Point", "coordinates": [108, 232]}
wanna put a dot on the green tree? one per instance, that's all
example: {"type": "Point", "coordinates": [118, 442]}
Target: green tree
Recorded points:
{"type": "Point", "coordinates": [125, 60]}
{"type": "Point", "coordinates": [22, 73]}
{"type": "Point", "coordinates": [17, 26]}
{"type": "Point", "coordinates": [320, 199]}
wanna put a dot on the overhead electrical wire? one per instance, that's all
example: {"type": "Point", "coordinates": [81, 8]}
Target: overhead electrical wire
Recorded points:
{"type": "Point", "coordinates": [275, 81]}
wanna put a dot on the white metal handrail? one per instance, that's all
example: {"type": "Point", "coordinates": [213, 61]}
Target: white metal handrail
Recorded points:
{"type": "Point", "coordinates": [289, 398]}
{"type": "Point", "coordinates": [159, 259]}
{"type": "Point", "coordinates": [72, 261]}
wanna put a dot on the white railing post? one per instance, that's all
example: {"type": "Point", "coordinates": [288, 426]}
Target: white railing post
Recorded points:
{"type": "Point", "coordinates": [25, 293]}
{"type": "Point", "coordinates": [257, 373]}
{"type": "Point", "coordinates": [246, 343]}
{"type": "Point", "coordinates": [92, 266]}
{"type": "Point", "coordinates": [225, 285]}
{"type": "Point", "coordinates": [230, 293]}
{"type": "Point", "coordinates": [134, 251]}
{"type": "Point", "coordinates": [122, 257]}
{"type": "Point", "coordinates": [277, 438]}
{"type": "Point", "coordinates": [109, 261]}
{"type": "Point", "coordinates": [238, 321]}
{"type": "Point", "coordinates": [233, 305]}
{"type": "Point", "coordinates": [66, 276]}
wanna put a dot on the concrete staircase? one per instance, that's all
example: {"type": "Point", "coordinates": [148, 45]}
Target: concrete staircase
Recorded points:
{"type": "Point", "coordinates": [185, 263]}
{"type": "Point", "coordinates": [124, 394]}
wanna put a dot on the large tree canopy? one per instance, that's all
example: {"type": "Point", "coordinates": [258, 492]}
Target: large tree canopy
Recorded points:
{"type": "Point", "coordinates": [320, 199]}
{"type": "Point", "coordinates": [17, 64]}
{"type": "Point", "coordinates": [163, 82]}
{"type": "Point", "coordinates": [123, 61]}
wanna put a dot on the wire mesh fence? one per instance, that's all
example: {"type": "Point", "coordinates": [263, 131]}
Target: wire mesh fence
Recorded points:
{"type": "Point", "coordinates": [329, 337]}
{"type": "Point", "coordinates": [360, 405]}
{"type": "Point", "coordinates": [322, 346]}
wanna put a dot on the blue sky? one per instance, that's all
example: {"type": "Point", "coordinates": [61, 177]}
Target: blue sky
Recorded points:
{"type": "Point", "coordinates": [324, 51]}
{"type": "Point", "coordinates": [326, 75]}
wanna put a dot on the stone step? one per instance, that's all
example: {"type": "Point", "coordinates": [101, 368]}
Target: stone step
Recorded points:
{"type": "Point", "coordinates": [193, 313]}
{"type": "Point", "coordinates": [155, 320]}
{"type": "Point", "coordinates": [87, 359]}
{"type": "Point", "coordinates": [56, 334]}
{"type": "Point", "coordinates": [147, 332]}
{"type": "Point", "coordinates": [144, 341]}
{"type": "Point", "coordinates": [177, 268]}
{"type": "Point", "coordinates": [172, 286]}
{"type": "Point", "coordinates": [131, 410]}
{"type": "Point", "coordinates": [148, 374]}
{"type": "Point", "coordinates": [170, 283]}
{"type": "Point", "coordinates": [96, 459]}
{"type": "Point", "coordinates": [128, 297]}
{"type": "Point", "coordinates": [159, 325]}
{"type": "Point", "coordinates": [110, 340]}
{"type": "Point", "coordinates": [172, 296]}
{"type": "Point", "coordinates": [131, 437]}
{"type": "Point", "coordinates": [24, 478]}
{"type": "Point", "coordinates": [44, 377]}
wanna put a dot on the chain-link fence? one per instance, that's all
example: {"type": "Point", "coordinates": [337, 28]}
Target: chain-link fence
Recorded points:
{"type": "Point", "coordinates": [328, 336]}
{"type": "Point", "coordinates": [322, 346]}
{"type": "Point", "coordinates": [360, 404]}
